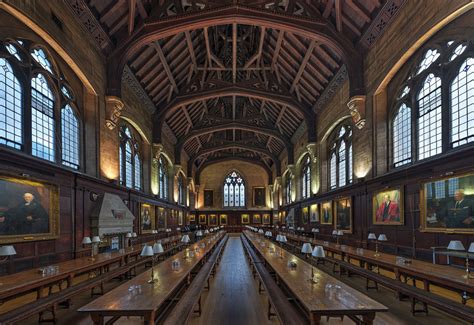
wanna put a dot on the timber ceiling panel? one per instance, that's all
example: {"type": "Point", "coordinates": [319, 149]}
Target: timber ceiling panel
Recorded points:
{"type": "Point", "coordinates": [191, 77]}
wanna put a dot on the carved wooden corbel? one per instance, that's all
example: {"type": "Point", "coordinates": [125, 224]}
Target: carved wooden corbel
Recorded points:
{"type": "Point", "coordinates": [357, 107]}
{"type": "Point", "coordinates": [113, 109]}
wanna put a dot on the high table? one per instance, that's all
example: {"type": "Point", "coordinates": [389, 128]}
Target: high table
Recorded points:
{"type": "Point", "coordinates": [441, 275]}
{"type": "Point", "coordinates": [327, 297]}
{"type": "Point", "coordinates": [24, 282]}
{"type": "Point", "coordinates": [123, 302]}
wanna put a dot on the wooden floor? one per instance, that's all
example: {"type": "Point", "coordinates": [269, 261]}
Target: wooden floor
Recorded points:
{"type": "Point", "coordinates": [234, 300]}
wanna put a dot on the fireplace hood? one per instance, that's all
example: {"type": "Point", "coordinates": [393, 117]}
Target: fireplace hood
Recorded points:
{"type": "Point", "coordinates": [111, 216]}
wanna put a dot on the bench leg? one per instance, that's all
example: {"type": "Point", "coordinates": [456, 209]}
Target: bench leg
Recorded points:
{"type": "Point", "coordinates": [415, 311]}
{"type": "Point", "coordinates": [368, 286]}
{"type": "Point", "coordinates": [269, 312]}
{"type": "Point", "coordinates": [260, 290]}
{"type": "Point", "coordinates": [52, 310]}
{"type": "Point", "coordinates": [368, 319]}
{"type": "Point", "coordinates": [199, 310]}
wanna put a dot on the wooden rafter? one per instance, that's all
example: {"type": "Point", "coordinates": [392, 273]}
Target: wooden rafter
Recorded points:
{"type": "Point", "coordinates": [132, 6]}
{"type": "Point", "coordinates": [338, 6]}
{"type": "Point", "coordinates": [234, 53]}
{"type": "Point", "coordinates": [189, 42]}
{"type": "Point", "coordinates": [281, 34]}
{"type": "Point", "coordinates": [307, 56]}
{"type": "Point", "coordinates": [166, 67]}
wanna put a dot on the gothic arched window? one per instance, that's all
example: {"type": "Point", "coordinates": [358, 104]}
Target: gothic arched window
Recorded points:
{"type": "Point", "coordinates": [340, 157]}
{"type": "Point", "coordinates": [288, 187]}
{"type": "Point", "coordinates": [234, 190]}
{"type": "Point", "coordinates": [181, 190]}
{"type": "Point", "coordinates": [129, 159]}
{"type": "Point", "coordinates": [163, 178]}
{"type": "Point", "coordinates": [306, 178]}
{"type": "Point", "coordinates": [434, 108]}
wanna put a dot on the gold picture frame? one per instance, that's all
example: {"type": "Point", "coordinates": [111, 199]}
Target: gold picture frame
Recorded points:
{"type": "Point", "coordinates": [266, 218]}
{"type": "Point", "coordinates": [256, 218]}
{"type": "Point", "coordinates": [259, 194]}
{"type": "Point", "coordinates": [388, 207]}
{"type": "Point", "coordinates": [447, 204]}
{"type": "Point", "coordinates": [39, 220]}
{"type": "Point", "coordinates": [192, 218]}
{"type": "Point", "coordinates": [223, 219]}
{"type": "Point", "coordinates": [147, 218]}
{"type": "Point", "coordinates": [314, 213]}
{"type": "Point", "coordinates": [343, 214]}
{"type": "Point", "coordinates": [202, 219]}
{"type": "Point", "coordinates": [213, 220]}
{"type": "Point", "coordinates": [326, 213]}
{"type": "Point", "coordinates": [245, 218]}
{"type": "Point", "coordinates": [305, 215]}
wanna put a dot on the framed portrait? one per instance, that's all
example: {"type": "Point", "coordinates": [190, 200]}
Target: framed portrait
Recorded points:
{"type": "Point", "coordinates": [256, 218]}
{"type": "Point", "coordinates": [223, 219]}
{"type": "Point", "coordinates": [259, 196]}
{"type": "Point", "coordinates": [305, 215]}
{"type": "Point", "coordinates": [180, 217]}
{"type": "Point", "coordinates": [245, 218]}
{"type": "Point", "coordinates": [276, 218]}
{"type": "Point", "coordinates": [326, 213]}
{"type": "Point", "coordinates": [343, 214]}
{"type": "Point", "coordinates": [192, 218]}
{"type": "Point", "coordinates": [213, 220]}
{"type": "Point", "coordinates": [202, 219]}
{"type": "Point", "coordinates": [447, 205]}
{"type": "Point", "coordinates": [314, 213]}
{"type": "Point", "coordinates": [387, 207]}
{"type": "Point", "coordinates": [161, 218]}
{"type": "Point", "coordinates": [266, 218]}
{"type": "Point", "coordinates": [29, 210]}
{"type": "Point", "coordinates": [208, 198]}
{"type": "Point", "coordinates": [147, 218]}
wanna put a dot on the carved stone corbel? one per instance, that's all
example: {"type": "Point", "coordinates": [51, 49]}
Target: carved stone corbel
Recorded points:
{"type": "Point", "coordinates": [113, 110]}
{"type": "Point", "coordinates": [157, 150]}
{"type": "Point", "coordinates": [357, 108]}
{"type": "Point", "coordinates": [277, 183]}
{"type": "Point", "coordinates": [176, 170]}
{"type": "Point", "coordinates": [191, 184]}
{"type": "Point", "coordinates": [312, 150]}
{"type": "Point", "coordinates": [291, 169]}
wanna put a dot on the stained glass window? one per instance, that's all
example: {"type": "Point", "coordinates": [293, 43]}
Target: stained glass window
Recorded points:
{"type": "Point", "coordinates": [234, 190]}
{"type": "Point", "coordinates": [340, 163]}
{"type": "Point", "coordinates": [429, 120]}
{"type": "Point", "coordinates": [306, 178]}
{"type": "Point", "coordinates": [13, 51]}
{"type": "Point", "coordinates": [42, 119]}
{"type": "Point", "coordinates": [11, 107]}
{"type": "Point", "coordinates": [402, 136]}
{"type": "Point", "coordinates": [458, 51]}
{"type": "Point", "coordinates": [70, 137]}
{"type": "Point", "coordinates": [430, 57]}
{"type": "Point", "coordinates": [462, 105]}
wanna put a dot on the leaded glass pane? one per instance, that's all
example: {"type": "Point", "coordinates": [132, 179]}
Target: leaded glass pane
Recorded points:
{"type": "Point", "coordinates": [122, 176]}
{"type": "Point", "coordinates": [429, 121]}
{"type": "Point", "coordinates": [42, 119]}
{"type": "Point", "coordinates": [428, 59]}
{"type": "Point", "coordinates": [342, 164]}
{"type": "Point", "coordinates": [440, 190]}
{"type": "Point", "coordinates": [458, 51]}
{"type": "Point", "coordinates": [231, 195]}
{"type": "Point", "coordinates": [13, 51]}
{"type": "Point", "coordinates": [234, 190]}
{"type": "Point", "coordinates": [333, 171]}
{"type": "Point", "coordinates": [349, 164]}
{"type": "Point", "coordinates": [402, 136]}
{"type": "Point", "coordinates": [226, 195]}
{"type": "Point", "coordinates": [11, 107]}
{"type": "Point", "coordinates": [138, 173]}
{"type": "Point", "coordinates": [40, 56]}
{"type": "Point", "coordinates": [453, 186]}
{"type": "Point", "coordinates": [70, 137]}
{"type": "Point", "coordinates": [242, 195]}
{"type": "Point", "coordinates": [462, 105]}
{"type": "Point", "coordinates": [128, 165]}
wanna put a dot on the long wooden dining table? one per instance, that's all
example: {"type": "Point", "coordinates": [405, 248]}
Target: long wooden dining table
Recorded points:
{"type": "Point", "coordinates": [144, 302]}
{"type": "Point", "coordinates": [25, 282]}
{"type": "Point", "coordinates": [326, 297]}
{"type": "Point", "coordinates": [441, 275]}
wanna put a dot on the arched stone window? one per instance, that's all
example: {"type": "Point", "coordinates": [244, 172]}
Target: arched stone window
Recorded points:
{"type": "Point", "coordinates": [340, 157]}
{"type": "Point", "coordinates": [129, 159]}
{"type": "Point", "coordinates": [163, 178]}
{"type": "Point", "coordinates": [234, 190]}
{"type": "Point", "coordinates": [306, 178]}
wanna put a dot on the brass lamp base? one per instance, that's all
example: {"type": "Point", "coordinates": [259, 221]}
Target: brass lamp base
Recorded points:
{"type": "Point", "coordinates": [468, 276]}
{"type": "Point", "coordinates": [152, 281]}
{"type": "Point", "coordinates": [377, 254]}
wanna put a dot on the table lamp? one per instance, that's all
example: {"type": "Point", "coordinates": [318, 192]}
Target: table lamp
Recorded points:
{"type": "Point", "coordinates": [7, 251]}
{"type": "Point", "coordinates": [260, 231]}
{"type": "Point", "coordinates": [147, 251]}
{"type": "Point", "coordinates": [317, 252]}
{"type": "Point", "coordinates": [88, 241]}
{"type": "Point", "coordinates": [382, 238]}
{"type": "Point", "coordinates": [373, 237]}
{"type": "Point", "coordinates": [468, 272]}
{"type": "Point", "coordinates": [158, 248]}
{"type": "Point", "coordinates": [199, 233]}
{"type": "Point", "coordinates": [206, 232]}
{"type": "Point", "coordinates": [306, 249]}
{"type": "Point", "coordinates": [185, 239]}
{"type": "Point", "coordinates": [95, 244]}
{"type": "Point", "coordinates": [268, 234]}
{"type": "Point", "coordinates": [339, 234]}
{"type": "Point", "coordinates": [315, 231]}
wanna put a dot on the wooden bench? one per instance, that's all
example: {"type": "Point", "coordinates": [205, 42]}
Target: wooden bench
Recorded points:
{"type": "Point", "coordinates": [285, 312]}
{"type": "Point", "coordinates": [185, 307]}
{"type": "Point", "coordinates": [51, 302]}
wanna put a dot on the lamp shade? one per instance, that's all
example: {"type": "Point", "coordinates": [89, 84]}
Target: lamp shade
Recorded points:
{"type": "Point", "coordinates": [147, 251]}
{"type": "Point", "coordinates": [278, 238]}
{"type": "Point", "coordinates": [334, 232]}
{"type": "Point", "coordinates": [268, 233]}
{"type": "Point", "coordinates": [283, 239]}
{"type": "Point", "coordinates": [96, 239]}
{"type": "Point", "coordinates": [456, 245]}
{"type": "Point", "coordinates": [306, 249]}
{"type": "Point", "coordinates": [134, 234]}
{"type": "Point", "coordinates": [158, 248]}
{"type": "Point", "coordinates": [206, 232]}
{"type": "Point", "coordinates": [178, 229]}
{"type": "Point", "coordinates": [199, 233]}
{"type": "Point", "coordinates": [382, 237]}
{"type": "Point", "coordinates": [128, 235]}
{"type": "Point", "coordinates": [260, 231]}
{"type": "Point", "coordinates": [318, 251]}
{"type": "Point", "coordinates": [340, 233]}
{"type": "Point", "coordinates": [471, 248]}
{"type": "Point", "coordinates": [7, 250]}
{"type": "Point", "coordinates": [316, 230]}
{"type": "Point", "coordinates": [185, 239]}
{"type": "Point", "coordinates": [87, 241]}
{"type": "Point", "coordinates": [372, 236]}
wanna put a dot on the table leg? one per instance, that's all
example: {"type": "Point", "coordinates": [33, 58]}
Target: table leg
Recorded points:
{"type": "Point", "coordinates": [97, 319]}
{"type": "Point", "coordinates": [314, 319]}
{"type": "Point", "coordinates": [368, 319]}
{"type": "Point", "coordinates": [150, 318]}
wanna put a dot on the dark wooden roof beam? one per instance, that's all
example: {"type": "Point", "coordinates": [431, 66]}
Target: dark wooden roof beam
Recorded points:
{"type": "Point", "coordinates": [166, 67]}
{"type": "Point", "coordinates": [309, 52]}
